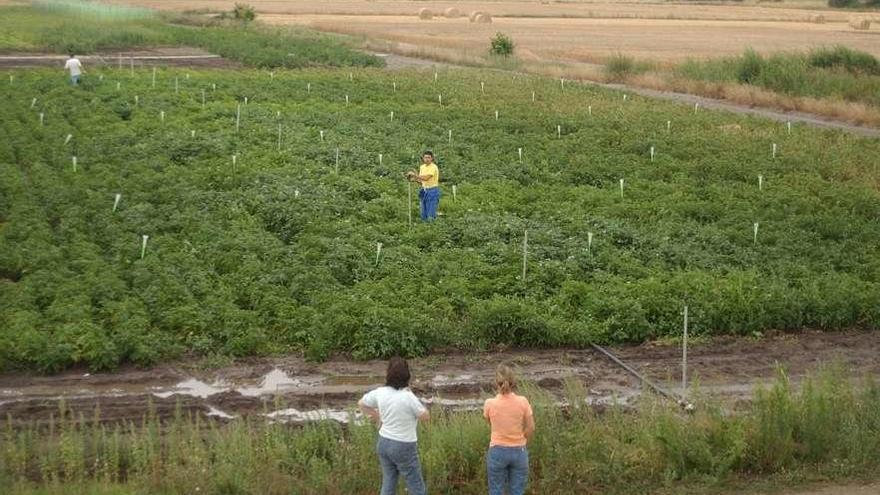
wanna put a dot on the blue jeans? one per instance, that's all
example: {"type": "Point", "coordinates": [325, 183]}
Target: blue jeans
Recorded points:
{"type": "Point", "coordinates": [400, 458]}
{"type": "Point", "coordinates": [430, 200]}
{"type": "Point", "coordinates": [74, 80]}
{"type": "Point", "coordinates": [508, 467]}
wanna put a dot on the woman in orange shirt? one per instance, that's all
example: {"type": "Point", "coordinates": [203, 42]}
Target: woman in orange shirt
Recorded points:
{"type": "Point", "coordinates": [510, 416]}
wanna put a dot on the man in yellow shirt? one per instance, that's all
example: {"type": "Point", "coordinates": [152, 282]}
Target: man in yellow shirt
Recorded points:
{"type": "Point", "coordinates": [429, 177]}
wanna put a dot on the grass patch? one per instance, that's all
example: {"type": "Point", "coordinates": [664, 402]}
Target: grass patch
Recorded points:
{"type": "Point", "coordinates": [836, 73]}
{"type": "Point", "coordinates": [88, 27]}
{"type": "Point", "coordinates": [620, 67]}
{"type": "Point", "coordinates": [827, 430]}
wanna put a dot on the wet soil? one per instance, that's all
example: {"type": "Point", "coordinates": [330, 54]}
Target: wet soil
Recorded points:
{"type": "Point", "coordinates": [293, 389]}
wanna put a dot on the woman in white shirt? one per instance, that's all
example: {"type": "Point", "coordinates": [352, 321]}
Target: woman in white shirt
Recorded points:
{"type": "Point", "coordinates": [397, 411]}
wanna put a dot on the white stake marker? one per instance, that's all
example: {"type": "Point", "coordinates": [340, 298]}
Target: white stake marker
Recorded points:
{"type": "Point", "coordinates": [187, 76]}
{"type": "Point", "coordinates": [533, 96]}
{"type": "Point", "coordinates": [337, 159]}
{"type": "Point", "coordinates": [621, 188]}
{"type": "Point", "coordinates": [296, 194]}
{"type": "Point", "coordinates": [525, 252]}
{"type": "Point", "coordinates": [213, 87]}
{"type": "Point", "coordinates": [33, 102]}
{"type": "Point", "coordinates": [350, 76]}
{"type": "Point", "coordinates": [144, 239]}
{"type": "Point", "coordinates": [562, 83]}
{"type": "Point", "coordinates": [378, 251]}
{"type": "Point", "coordinates": [11, 78]}
{"type": "Point", "coordinates": [68, 138]}
{"type": "Point", "coordinates": [450, 136]}
{"type": "Point", "coordinates": [652, 154]}
{"type": "Point", "coordinates": [760, 182]}
{"type": "Point", "coordinates": [684, 355]}
{"type": "Point", "coordinates": [668, 126]}
{"type": "Point", "coordinates": [41, 118]}
{"type": "Point", "coordinates": [309, 88]}
{"type": "Point", "coordinates": [137, 100]}
{"type": "Point", "coordinates": [234, 161]}
{"type": "Point", "coordinates": [519, 151]}
{"type": "Point", "coordinates": [590, 110]}
{"type": "Point", "coordinates": [696, 107]}
{"type": "Point", "coordinates": [154, 77]}
{"type": "Point", "coordinates": [496, 114]}
{"type": "Point", "coordinates": [322, 135]}
{"type": "Point", "coordinates": [774, 150]}
{"type": "Point", "coordinates": [380, 159]}
{"type": "Point", "coordinates": [346, 99]}
{"type": "Point", "coordinates": [435, 77]}
{"type": "Point", "coordinates": [755, 230]}
{"type": "Point", "coordinates": [245, 100]}
{"type": "Point", "coordinates": [237, 117]}
{"type": "Point", "coordinates": [624, 96]}
{"type": "Point", "coordinates": [116, 201]}
{"type": "Point", "coordinates": [118, 86]}
{"type": "Point", "coordinates": [788, 124]}
{"type": "Point", "coordinates": [162, 116]}
{"type": "Point", "coordinates": [440, 99]}
{"type": "Point", "coordinates": [482, 87]}
{"type": "Point", "coordinates": [394, 85]}
{"type": "Point", "coordinates": [589, 242]}
{"type": "Point", "coordinates": [192, 133]}
{"type": "Point", "coordinates": [73, 160]}
{"type": "Point", "coordinates": [279, 137]}
{"type": "Point", "coordinates": [454, 193]}
{"type": "Point", "coordinates": [272, 75]}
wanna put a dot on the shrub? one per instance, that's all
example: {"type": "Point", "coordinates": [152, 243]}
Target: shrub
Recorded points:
{"type": "Point", "coordinates": [502, 45]}
{"type": "Point", "coordinates": [842, 4]}
{"type": "Point", "coordinates": [749, 67]}
{"type": "Point", "coordinates": [244, 12]}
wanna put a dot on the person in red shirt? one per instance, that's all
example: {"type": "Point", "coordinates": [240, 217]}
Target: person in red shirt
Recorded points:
{"type": "Point", "coordinates": [512, 422]}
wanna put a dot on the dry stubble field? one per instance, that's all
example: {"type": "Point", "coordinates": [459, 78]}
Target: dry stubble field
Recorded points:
{"type": "Point", "coordinates": [571, 32]}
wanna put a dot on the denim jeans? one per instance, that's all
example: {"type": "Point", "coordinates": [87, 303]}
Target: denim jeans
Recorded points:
{"type": "Point", "coordinates": [508, 468]}
{"type": "Point", "coordinates": [430, 200]}
{"type": "Point", "coordinates": [74, 80]}
{"type": "Point", "coordinates": [400, 458]}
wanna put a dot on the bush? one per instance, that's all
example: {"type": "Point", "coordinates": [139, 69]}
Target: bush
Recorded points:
{"type": "Point", "coordinates": [501, 45]}
{"type": "Point", "coordinates": [750, 66]}
{"type": "Point", "coordinates": [842, 4]}
{"type": "Point", "coordinates": [244, 12]}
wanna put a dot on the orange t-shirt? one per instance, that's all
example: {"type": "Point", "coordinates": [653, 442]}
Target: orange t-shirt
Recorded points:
{"type": "Point", "coordinates": [507, 414]}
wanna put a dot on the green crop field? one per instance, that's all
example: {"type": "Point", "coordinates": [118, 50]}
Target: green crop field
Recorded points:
{"type": "Point", "coordinates": [261, 240]}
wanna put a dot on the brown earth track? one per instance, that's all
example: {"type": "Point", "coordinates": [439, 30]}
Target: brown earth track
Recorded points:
{"type": "Point", "coordinates": [729, 368]}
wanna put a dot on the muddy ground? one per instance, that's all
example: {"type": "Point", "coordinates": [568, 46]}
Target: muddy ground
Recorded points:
{"type": "Point", "coordinates": [293, 389]}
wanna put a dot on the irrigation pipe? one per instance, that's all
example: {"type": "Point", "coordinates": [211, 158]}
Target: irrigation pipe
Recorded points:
{"type": "Point", "coordinates": [687, 406]}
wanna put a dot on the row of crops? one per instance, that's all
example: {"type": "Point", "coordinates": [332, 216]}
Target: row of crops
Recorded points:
{"type": "Point", "coordinates": [265, 198]}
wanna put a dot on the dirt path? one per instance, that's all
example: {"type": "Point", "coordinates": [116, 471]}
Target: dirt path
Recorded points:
{"type": "Point", "coordinates": [848, 489]}
{"type": "Point", "coordinates": [292, 389]}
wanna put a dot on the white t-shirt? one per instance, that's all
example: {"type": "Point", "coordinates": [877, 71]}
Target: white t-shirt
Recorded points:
{"type": "Point", "coordinates": [399, 411]}
{"type": "Point", "coordinates": [74, 66]}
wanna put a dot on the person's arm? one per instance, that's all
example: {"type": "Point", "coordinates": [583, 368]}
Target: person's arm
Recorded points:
{"type": "Point", "coordinates": [529, 424]}
{"type": "Point", "coordinates": [425, 415]}
{"type": "Point", "coordinates": [370, 412]}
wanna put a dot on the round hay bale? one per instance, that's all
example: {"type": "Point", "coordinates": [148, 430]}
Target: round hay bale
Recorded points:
{"type": "Point", "coordinates": [483, 18]}
{"type": "Point", "coordinates": [452, 13]}
{"type": "Point", "coordinates": [473, 15]}
{"type": "Point", "coordinates": [860, 24]}
{"type": "Point", "coordinates": [426, 14]}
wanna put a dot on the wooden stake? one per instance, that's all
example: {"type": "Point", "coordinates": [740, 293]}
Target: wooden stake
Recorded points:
{"type": "Point", "coordinates": [116, 201]}
{"type": "Point", "coordinates": [144, 239]}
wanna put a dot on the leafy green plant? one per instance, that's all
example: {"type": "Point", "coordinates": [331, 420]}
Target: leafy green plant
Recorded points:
{"type": "Point", "coordinates": [501, 45]}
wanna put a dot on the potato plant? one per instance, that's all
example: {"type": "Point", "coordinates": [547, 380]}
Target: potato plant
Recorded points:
{"type": "Point", "coordinates": [277, 252]}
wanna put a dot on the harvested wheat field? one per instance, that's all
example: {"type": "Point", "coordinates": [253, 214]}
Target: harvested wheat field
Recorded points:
{"type": "Point", "coordinates": [578, 32]}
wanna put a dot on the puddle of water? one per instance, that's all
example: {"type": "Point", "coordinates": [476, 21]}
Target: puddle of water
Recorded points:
{"type": "Point", "coordinates": [295, 415]}
{"type": "Point", "coordinates": [274, 381]}
{"type": "Point", "coordinates": [213, 411]}
{"type": "Point", "coordinates": [193, 388]}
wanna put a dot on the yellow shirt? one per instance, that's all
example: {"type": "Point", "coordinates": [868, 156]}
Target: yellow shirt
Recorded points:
{"type": "Point", "coordinates": [433, 171]}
